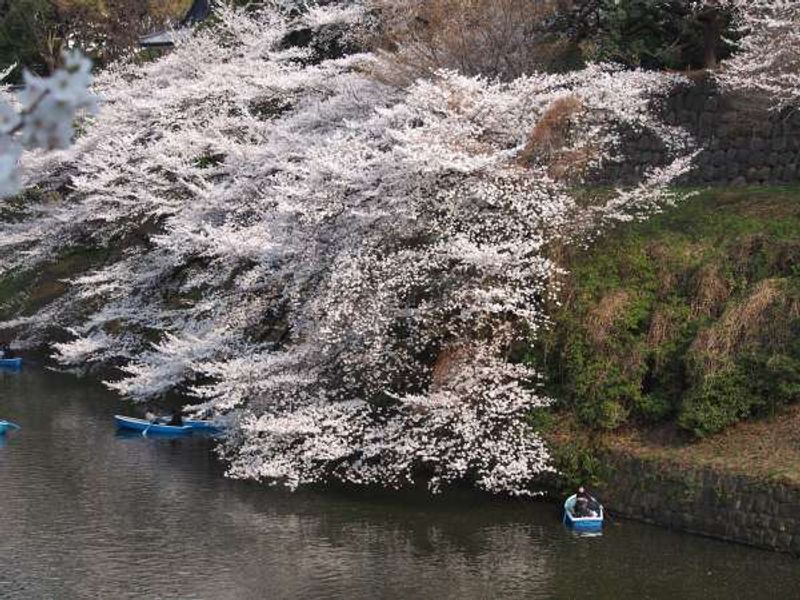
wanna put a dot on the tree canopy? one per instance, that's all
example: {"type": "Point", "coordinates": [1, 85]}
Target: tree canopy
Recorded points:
{"type": "Point", "coordinates": [33, 33]}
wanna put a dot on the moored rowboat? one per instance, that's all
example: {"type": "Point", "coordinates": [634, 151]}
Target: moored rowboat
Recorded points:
{"type": "Point", "coordinates": [10, 363]}
{"type": "Point", "coordinates": [6, 425]}
{"type": "Point", "coordinates": [146, 426]}
{"type": "Point", "coordinates": [593, 523]}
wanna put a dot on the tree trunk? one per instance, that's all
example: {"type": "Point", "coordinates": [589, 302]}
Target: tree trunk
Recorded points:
{"type": "Point", "coordinates": [712, 35]}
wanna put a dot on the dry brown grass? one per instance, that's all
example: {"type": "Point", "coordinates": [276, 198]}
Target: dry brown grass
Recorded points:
{"type": "Point", "coordinates": [571, 165]}
{"type": "Point", "coordinates": [497, 38]}
{"type": "Point", "coordinates": [758, 321]}
{"type": "Point", "coordinates": [662, 328]}
{"type": "Point", "coordinates": [763, 448]}
{"type": "Point", "coordinates": [710, 292]}
{"type": "Point", "coordinates": [551, 139]}
{"type": "Point", "coordinates": [605, 314]}
{"type": "Point", "coordinates": [552, 131]}
{"type": "Point", "coordinates": [662, 257]}
{"type": "Point", "coordinates": [448, 366]}
{"type": "Point", "coordinates": [168, 9]}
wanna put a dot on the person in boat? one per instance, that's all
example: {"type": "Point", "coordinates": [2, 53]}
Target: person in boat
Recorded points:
{"type": "Point", "coordinates": [177, 418]}
{"type": "Point", "coordinates": [150, 415]}
{"type": "Point", "coordinates": [5, 351]}
{"type": "Point", "coordinates": [585, 505]}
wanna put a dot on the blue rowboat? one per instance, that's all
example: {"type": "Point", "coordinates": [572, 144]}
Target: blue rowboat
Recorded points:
{"type": "Point", "coordinates": [6, 425]}
{"type": "Point", "coordinates": [203, 425]}
{"type": "Point", "coordinates": [582, 523]}
{"type": "Point", "coordinates": [146, 427]}
{"type": "Point", "coordinates": [10, 363]}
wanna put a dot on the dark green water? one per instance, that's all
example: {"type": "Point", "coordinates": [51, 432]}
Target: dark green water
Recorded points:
{"type": "Point", "coordinates": [87, 514]}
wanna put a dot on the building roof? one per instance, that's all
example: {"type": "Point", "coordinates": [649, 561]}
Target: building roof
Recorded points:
{"type": "Point", "coordinates": [168, 37]}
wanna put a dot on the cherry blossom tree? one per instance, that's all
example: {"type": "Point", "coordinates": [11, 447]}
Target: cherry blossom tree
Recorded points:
{"type": "Point", "coordinates": [343, 269]}
{"type": "Point", "coordinates": [768, 60]}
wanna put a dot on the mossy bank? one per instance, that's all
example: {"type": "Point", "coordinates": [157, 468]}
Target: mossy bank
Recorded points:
{"type": "Point", "coordinates": [677, 342]}
{"type": "Point", "coordinates": [691, 317]}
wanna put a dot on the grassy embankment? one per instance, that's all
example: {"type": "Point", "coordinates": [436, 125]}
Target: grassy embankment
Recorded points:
{"type": "Point", "coordinates": [679, 338]}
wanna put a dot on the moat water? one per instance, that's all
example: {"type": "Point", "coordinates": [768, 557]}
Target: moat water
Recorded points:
{"type": "Point", "coordinates": [87, 513]}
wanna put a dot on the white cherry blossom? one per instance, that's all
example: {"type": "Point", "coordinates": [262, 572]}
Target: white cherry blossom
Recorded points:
{"type": "Point", "coordinates": [44, 119]}
{"type": "Point", "coordinates": [345, 270]}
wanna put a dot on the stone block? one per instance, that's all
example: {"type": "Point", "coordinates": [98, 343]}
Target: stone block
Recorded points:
{"type": "Point", "coordinates": [770, 539]}
{"type": "Point", "coordinates": [715, 528]}
{"type": "Point", "coordinates": [743, 154]}
{"type": "Point", "coordinates": [794, 546]}
{"type": "Point", "coordinates": [778, 143]}
{"type": "Point", "coordinates": [756, 158]}
{"type": "Point", "coordinates": [687, 117]}
{"type": "Point", "coordinates": [783, 542]}
{"type": "Point", "coordinates": [732, 170]}
{"type": "Point", "coordinates": [707, 122]}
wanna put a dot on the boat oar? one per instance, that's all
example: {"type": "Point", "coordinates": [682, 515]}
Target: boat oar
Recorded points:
{"type": "Point", "coordinates": [146, 429]}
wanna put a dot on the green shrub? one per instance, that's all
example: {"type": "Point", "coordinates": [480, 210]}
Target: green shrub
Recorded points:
{"type": "Point", "coordinates": [658, 34]}
{"type": "Point", "coordinates": [602, 392]}
{"type": "Point", "coordinates": [653, 407]}
{"type": "Point", "coordinates": [722, 400]}
{"type": "Point", "coordinates": [578, 463]}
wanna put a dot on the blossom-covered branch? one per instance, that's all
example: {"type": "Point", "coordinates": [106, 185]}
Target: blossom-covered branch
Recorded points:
{"type": "Point", "coordinates": [44, 119]}
{"type": "Point", "coordinates": [768, 57]}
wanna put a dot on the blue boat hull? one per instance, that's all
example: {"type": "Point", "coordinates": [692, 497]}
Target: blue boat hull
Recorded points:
{"type": "Point", "coordinates": [203, 425]}
{"type": "Point", "coordinates": [8, 426]}
{"type": "Point", "coordinates": [10, 363]}
{"type": "Point", "coordinates": [145, 426]}
{"type": "Point", "coordinates": [582, 524]}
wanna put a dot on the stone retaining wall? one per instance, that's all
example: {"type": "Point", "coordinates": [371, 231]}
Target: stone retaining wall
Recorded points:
{"type": "Point", "coordinates": [730, 507]}
{"type": "Point", "coordinates": [744, 144]}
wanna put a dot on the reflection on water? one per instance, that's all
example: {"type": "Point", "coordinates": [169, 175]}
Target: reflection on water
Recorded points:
{"type": "Point", "coordinates": [85, 513]}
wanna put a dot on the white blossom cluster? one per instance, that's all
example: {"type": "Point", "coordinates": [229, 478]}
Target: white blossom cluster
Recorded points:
{"type": "Point", "coordinates": [767, 61]}
{"type": "Point", "coordinates": [340, 267]}
{"type": "Point", "coordinates": [42, 115]}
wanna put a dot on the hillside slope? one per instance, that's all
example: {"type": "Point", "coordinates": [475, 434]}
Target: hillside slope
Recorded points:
{"type": "Point", "coordinates": [689, 319]}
